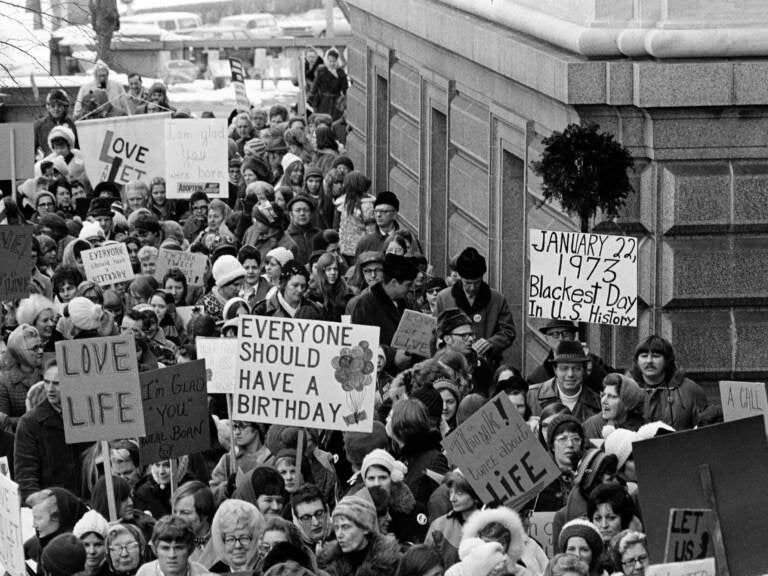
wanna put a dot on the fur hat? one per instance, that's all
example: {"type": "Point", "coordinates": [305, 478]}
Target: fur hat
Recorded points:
{"type": "Point", "coordinates": [63, 132]}
{"type": "Point", "coordinates": [91, 521]}
{"type": "Point", "coordinates": [478, 558]}
{"type": "Point", "coordinates": [110, 188]}
{"type": "Point", "coordinates": [91, 230]}
{"type": "Point", "coordinates": [384, 459]}
{"type": "Point", "coordinates": [401, 268]}
{"type": "Point", "coordinates": [388, 198]}
{"type": "Point", "coordinates": [583, 529]}
{"type": "Point", "coordinates": [343, 161]}
{"type": "Point", "coordinates": [501, 515]}
{"type": "Point", "coordinates": [358, 509]}
{"type": "Point", "coordinates": [570, 351]}
{"type": "Point", "coordinates": [29, 309]}
{"type": "Point", "coordinates": [431, 398]}
{"type": "Point", "coordinates": [450, 319]}
{"type": "Point", "coordinates": [84, 314]}
{"type": "Point", "coordinates": [281, 254]}
{"type": "Point", "coordinates": [227, 269]}
{"type": "Point", "coordinates": [358, 444]}
{"type": "Point", "coordinates": [63, 556]}
{"type": "Point", "coordinates": [57, 95]}
{"type": "Point", "coordinates": [100, 207]}
{"type": "Point", "coordinates": [470, 264]}
{"type": "Point", "coordinates": [618, 441]}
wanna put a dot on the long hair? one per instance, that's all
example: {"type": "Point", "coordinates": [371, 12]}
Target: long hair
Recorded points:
{"type": "Point", "coordinates": [334, 295]}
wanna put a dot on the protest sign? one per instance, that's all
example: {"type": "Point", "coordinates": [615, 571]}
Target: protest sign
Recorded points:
{"type": "Point", "coordinates": [689, 535]}
{"type": "Point", "coordinates": [17, 140]}
{"type": "Point", "coordinates": [15, 261]}
{"type": "Point", "coordinates": [175, 412]}
{"type": "Point", "coordinates": [705, 567]}
{"type": "Point", "coordinates": [743, 400]}
{"type": "Point", "coordinates": [100, 390]}
{"type": "Point", "coordinates": [238, 83]}
{"type": "Point", "coordinates": [196, 157]}
{"type": "Point", "coordinates": [499, 455]}
{"type": "Point", "coordinates": [11, 539]}
{"type": "Point", "coordinates": [108, 264]}
{"type": "Point", "coordinates": [5, 468]}
{"type": "Point", "coordinates": [583, 277]}
{"type": "Point", "coordinates": [541, 529]}
{"type": "Point", "coordinates": [123, 148]}
{"type": "Point", "coordinates": [669, 470]}
{"type": "Point", "coordinates": [192, 265]}
{"type": "Point", "coordinates": [307, 373]}
{"type": "Point", "coordinates": [414, 333]}
{"type": "Point", "coordinates": [220, 365]}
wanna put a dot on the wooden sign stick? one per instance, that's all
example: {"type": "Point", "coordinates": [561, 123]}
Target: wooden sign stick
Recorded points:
{"type": "Point", "coordinates": [705, 477]}
{"type": "Point", "coordinates": [108, 478]}
{"type": "Point", "coordinates": [299, 455]}
{"type": "Point", "coordinates": [172, 462]}
{"type": "Point", "coordinates": [232, 451]}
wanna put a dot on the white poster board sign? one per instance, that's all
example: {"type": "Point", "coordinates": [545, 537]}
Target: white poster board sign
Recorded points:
{"type": "Point", "coordinates": [583, 277]}
{"type": "Point", "coordinates": [108, 264]}
{"type": "Point", "coordinates": [306, 373]}
{"type": "Point", "coordinates": [220, 366]}
{"type": "Point", "coordinates": [11, 539]}
{"type": "Point", "coordinates": [196, 157]}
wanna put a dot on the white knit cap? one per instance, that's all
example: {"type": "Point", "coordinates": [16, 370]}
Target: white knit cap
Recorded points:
{"type": "Point", "coordinates": [85, 314]}
{"type": "Point", "coordinates": [384, 459]}
{"type": "Point", "coordinates": [281, 254]}
{"type": "Point", "coordinates": [227, 269]}
{"type": "Point", "coordinates": [619, 443]}
{"type": "Point", "coordinates": [289, 159]}
{"type": "Point", "coordinates": [91, 521]}
{"type": "Point", "coordinates": [90, 230]}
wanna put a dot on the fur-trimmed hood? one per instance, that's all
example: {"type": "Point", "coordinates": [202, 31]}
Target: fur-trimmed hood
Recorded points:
{"type": "Point", "coordinates": [504, 516]}
{"type": "Point", "coordinates": [382, 557]}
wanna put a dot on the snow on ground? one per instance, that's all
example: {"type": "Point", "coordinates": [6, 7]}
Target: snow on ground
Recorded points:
{"type": "Point", "coordinates": [200, 96]}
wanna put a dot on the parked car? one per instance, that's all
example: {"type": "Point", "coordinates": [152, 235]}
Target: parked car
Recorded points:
{"type": "Point", "coordinates": [313, 23]}
{"type": "Point", "coordinates": [259, 25]}
{"type": "Point", "coordinates": [180, 71]}
{"type": "Point", "coordinates": [216, 33]}
{"type": "Point", "coordinates": [166, 20]}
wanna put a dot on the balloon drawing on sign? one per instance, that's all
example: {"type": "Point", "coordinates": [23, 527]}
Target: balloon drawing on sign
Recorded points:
{"type": "Point", "coordinates": [353, 370]}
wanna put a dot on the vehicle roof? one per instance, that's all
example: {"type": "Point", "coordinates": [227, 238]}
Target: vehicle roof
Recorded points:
{"type": "Point", "coordinates": [151, 16]}
{"type": "Point", "coordinates": [253, 16]}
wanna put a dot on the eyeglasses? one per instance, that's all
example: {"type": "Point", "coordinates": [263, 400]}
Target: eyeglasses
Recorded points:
{"type": "Point", "coordinates": [307, 518]}
{"type": "Point", "coordinates": [631, 562]}
{"type": "Point", "coordinates": [244, 540]}
{"type": "Point", "coordinates": [466, 336]}
{"type": "Point", "coordinates": [561, 334]}
{"type": "Point", "coordinates": [124, 548]}
{"type": "Point", "coordinates": [568, 439]}
{"type": "Point", "coordinates": [372, 271]}
{"type": "Point", "coordinates": [240, 426]}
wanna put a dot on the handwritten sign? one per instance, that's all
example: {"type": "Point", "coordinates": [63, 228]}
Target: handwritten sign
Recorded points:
{"type": "Point", "coordinates": [192, 265]}
{"type": "Point", "coordinates": [11, 539]}
{"type": "Point", "coordinates": [123, 148]}
{"type": "Point", "coordinates": [414, 333]}
{"type": "Point", "coordinates": [705, 567]}
{"type": "Point", "coordinates": [689, 536]}
{"type": "Point", "coordinates": [541, 529]}
{"type": "Point", "coordinates": [500, 456]}
{"type": "Point", "coordinates": [108, 264]}
{"type": "Point", "coordinates": [175, 412]}
{"type": "Point", "coordinates": [743, 400]}
{"type": "Point", "coordinates": [583, 277]}
{"type": "Point", "coordinates": [15, 261]}
{"type": "Point", "coordinates": [196, 157]}
{"type": "Point", "coordinates": [17, 140]}
{"type": "Point", "coordinates": [238, 83]}
{"type": "Point", "coordinates": [220, 365]}
{"type": "Point", "coordinates": [100, 390]}
{"type": "Point", "coordinates": [306, 373]}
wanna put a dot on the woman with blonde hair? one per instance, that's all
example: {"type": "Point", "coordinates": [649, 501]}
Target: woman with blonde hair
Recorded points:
{"type": "Point", "coordinates": [236, 529]}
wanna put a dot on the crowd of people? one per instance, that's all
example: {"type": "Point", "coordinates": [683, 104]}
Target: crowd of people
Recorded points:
{"type": "Point", "coordinates": [301, 234]}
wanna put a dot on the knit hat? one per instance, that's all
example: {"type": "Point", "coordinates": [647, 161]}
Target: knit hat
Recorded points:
{"type": "Point", "coordinates": [57, 95]}
{"type": "Point", "coordinates": [468, 406]}
{"type": "Point", "coordinates": [401, 268]}
{"type": "Point", "coordinates": [370, 257]}
{"type": "Point", "coordinates": [470, 264]}
{"type": "Point", "coordinates": [281, 254]}
{"type": "Point", "coordinates": [91, 521]}
{"type": "Point", "coordinates": [388, 198]}
{"type": "Point", "coordinates": [555, 324]}
{"type": "Point", "coordinates": [359, 510]}
{"type": "Point", "coordinates": [100, 207]}
{"type": "Point", "coordinates": [62, 132]}
{"type": "Point", "coordinates": [289, 453]}
{"type": "Point", "coordinates": [343, 161]}
{"type": "Point", "coordinates": [301, 198]}
{"type": "Point", "coordinates": [276, 144]}
{"type": "Point", "coordinates": [583, 529]}
{"type": "Point", "coordinates": [450, 319]}
{"type": "Point", "coordinates": [570, 351]}
{"type": "Point", "coordinates": [255, 146]}
{"type": "Point", "coordinates": [445, 384]}
{"type": "Point", "coordinates": [63, 556]}
{"type": "Point", "coordinates": [378, 457]}
{"type": "Point", "coordinates": [265, 480]}
{"type": "Point", "coordinates": [431, 399]}
{"type": "Point", "coordinates": [84, 314]}
{"type": "Point", "coordinates": [653, 429]}
{"type": "Point", "coordinates": [147, 222]}
{"type": "Point", "coordinates": [557, 422]}
{"type": "Point", "coordinates": [227, 269]}
{"type": "Point", "coordinates": [91, 230]}
{"type": "Point", "coordinates": [289, 159]}
{"type": "Point", "coordinates": [618, 441]}
{"type": "Point", "coordinates": [358, 444]}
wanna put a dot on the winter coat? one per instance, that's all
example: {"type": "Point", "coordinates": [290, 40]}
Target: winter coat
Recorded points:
{"type": "Point", "coordinates": [375, 308]}
{"type": "Point", "coordinates": [14, 385]}
{"type": "Point", "coordinates": [149, 497]}
{"type": "Point", "coordinates": [353, 227]}
{"type": "Point", "coordinates": [245, 462]}
{"type": "Point", "coordinates": [303, 238]}
{"type": "Point", "coordinates": [490, 313]}
{"type": "Point", "coordinates": [677, 402]}
{"type": "Point", "coordinates": [422, 454]}
{"type": "Point", "coordinates": [70, 510]}
{"type": "Point", "coordinates": [445, 535]}
{"type": "Point", "coordinates": [546, 393]}
{"type": "Point", "coordinates": [307, 310]}
{"type": "Point", "coordinates": [593, 426]}
{"type": "Point", "coordinates": [42, 457]}
{"type": "Point", "coordinates": [380, 558]}
{"type": "Point", "coordinates": [153, 569]}
{"type": "Point", "coordinates": [266, 243]}
{"type": "Point", "coordinates": [326, 90]}
{"type": "Point", "coordinates": [408, 519]}
{"type": "Point", "coordinates": [43, 127]}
